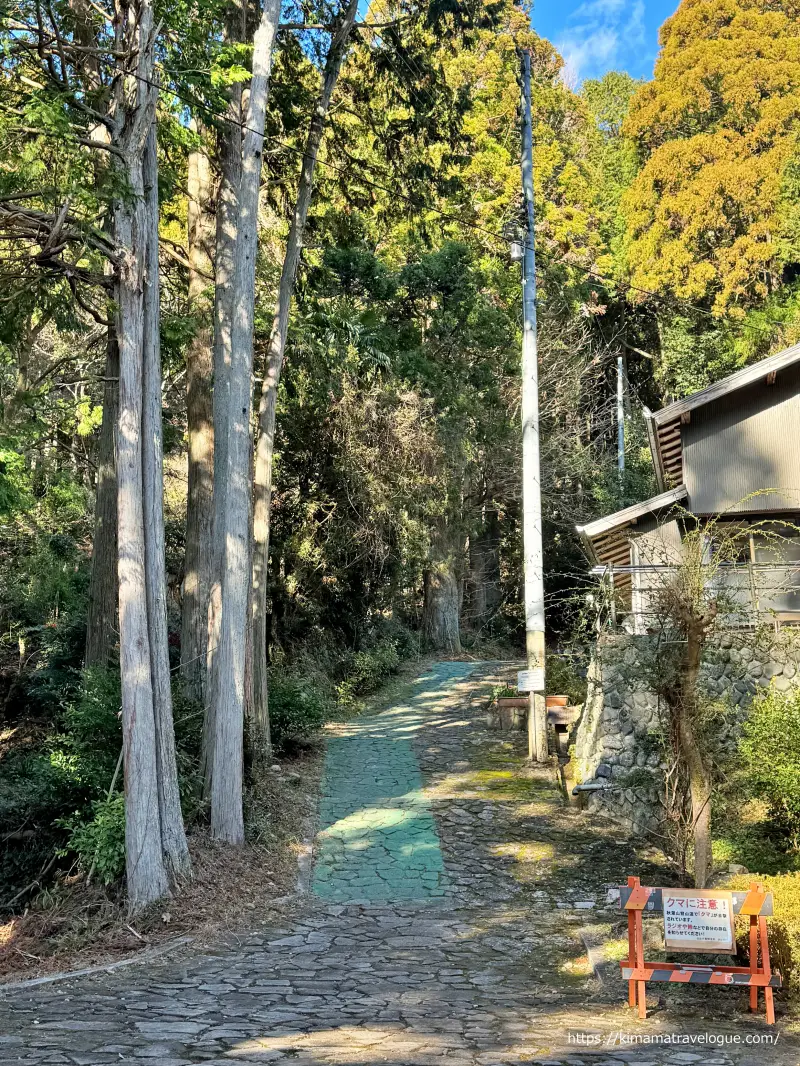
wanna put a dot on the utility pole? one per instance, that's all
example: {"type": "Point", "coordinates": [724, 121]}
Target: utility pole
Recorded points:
{"type": "Point", "coordinates": [620, 414]}
{"type": "Point", "coordinates": [531, 474]}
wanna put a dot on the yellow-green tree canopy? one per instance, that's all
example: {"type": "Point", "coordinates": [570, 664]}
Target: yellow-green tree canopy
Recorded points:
{"type": "Point", "coordinates": [709, 215]}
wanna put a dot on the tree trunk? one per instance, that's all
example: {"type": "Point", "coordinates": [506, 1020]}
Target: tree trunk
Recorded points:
{"type": "Point", "coordinates": [484, 559]}
{"type": "Point", "coordinates": [698, 772]}
{"type": "Point", "coordinates": [173, 837]}
{"type": "Point", "coordinates": [146, 875]}
{"type": "Point", "coordinates": [440, 611]}
{"type": "Point", "coordinates": [269, 390]}
{"type": "Point", "coordinates": [101, 627]}
{"type": "Point", "coordinates": [226, 783]}
{"type": "Point", "coordinates": [230, 152]}
{"type": "Point", "coordinates": [200, 433]}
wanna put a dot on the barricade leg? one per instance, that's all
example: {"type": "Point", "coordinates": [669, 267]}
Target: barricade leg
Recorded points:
{"type": "Point", "coordinates": [753, 960]}
{"type": "Point", "coordinates": [632, 956]}
{"type": "Point", "coordinates": [769, 1001]}
{"type": "Point", "coordinates": [639, 939]}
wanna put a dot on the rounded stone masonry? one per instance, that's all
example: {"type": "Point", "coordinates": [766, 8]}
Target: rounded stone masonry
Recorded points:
{"type": "Point", "coordinates": [619, 737]}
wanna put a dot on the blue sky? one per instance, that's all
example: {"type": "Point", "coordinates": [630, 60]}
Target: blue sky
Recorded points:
{"type": "Point", "coordinates": [599, 35]}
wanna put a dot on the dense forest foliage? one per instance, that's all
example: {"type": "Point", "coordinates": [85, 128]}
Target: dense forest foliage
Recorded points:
{"type": "Point", "coordinates": [276, 255]}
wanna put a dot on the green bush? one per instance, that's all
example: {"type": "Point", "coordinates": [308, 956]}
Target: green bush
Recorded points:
{"type": "Point", "coordinates": [298, 707]}
{"type": "Point", "coordinates": [99, 842]}
{"type": "Point", "coordinates": [770, 748]}
{"type": "Point", "coordinates": [367, 671]}
{"type": "Point", "coordinates": [405, 641]}
{"type": "Point", "coordinates": [562, 679]}
{"type": "Point", "coordinates": [750, 845]}
{"type": "Point", "coordinates": [89, 746]}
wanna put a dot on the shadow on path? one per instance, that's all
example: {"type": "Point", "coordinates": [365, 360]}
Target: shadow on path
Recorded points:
{"type": "Point", "coordinates": [466, 948]}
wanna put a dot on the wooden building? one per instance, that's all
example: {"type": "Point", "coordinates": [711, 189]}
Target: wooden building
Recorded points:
{"type": "Point", "coordinates": [730, 453]}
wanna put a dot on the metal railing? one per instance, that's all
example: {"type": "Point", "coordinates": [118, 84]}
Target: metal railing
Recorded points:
{"type": "Point", "coordinates": [749, 594]}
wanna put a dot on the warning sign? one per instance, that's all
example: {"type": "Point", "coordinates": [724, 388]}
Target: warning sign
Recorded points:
{"type": "Point", "coordinates": [531, 680]}
{"type": "Point", "coordinates": [695, 920]}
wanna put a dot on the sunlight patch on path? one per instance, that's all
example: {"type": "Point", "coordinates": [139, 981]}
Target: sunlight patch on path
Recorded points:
{"type": "Point", "coordinates": [378, 840]}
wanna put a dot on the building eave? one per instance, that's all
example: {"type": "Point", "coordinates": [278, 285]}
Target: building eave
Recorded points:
{"type": "Point", "coordinates": [630, 515]}
{"type": "Point", "coordinates": [741, 379]}
{"type": "Point", "coordinates": [652, 440]}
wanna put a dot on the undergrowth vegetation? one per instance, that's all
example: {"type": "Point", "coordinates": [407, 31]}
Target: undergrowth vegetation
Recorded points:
{"type": "Point", "coordinates": [61, 798]}
{"type": "Point", "coordinates": [757, 806]}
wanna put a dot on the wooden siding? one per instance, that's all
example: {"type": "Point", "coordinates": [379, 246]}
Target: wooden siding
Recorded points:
{"type": "Point", "coordinates": [670, 450]}
{"type": "Point", "coordinates": [745, 444]}
{"type": "Point", "coordinates": [614, 549]}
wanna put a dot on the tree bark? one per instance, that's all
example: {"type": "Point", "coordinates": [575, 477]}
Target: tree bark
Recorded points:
{"type": "Point", "coordinates": [269, 392]}
{"type": "Point", "coordinates": [146, 874]}
{"type": "Point", "coordinates": [698, 772]}
{"type": "Point", "coordinates": [101, 626]}
{"type": "Point", "coordinates": [200, 434]}
{"type": "Point", "coordinates": [230, 154]}
{"type": "Point", "coordinates": [484, 558]}
{"type": "Point", "coordinates": [442, 598]}
{"type": "Point", "coordinates": [173, 837]}
{"type": "Point", "coordinates": [226, 784]}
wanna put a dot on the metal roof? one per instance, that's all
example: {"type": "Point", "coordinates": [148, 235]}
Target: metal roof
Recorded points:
{"type": "Point", "coordinates": [629, 515]}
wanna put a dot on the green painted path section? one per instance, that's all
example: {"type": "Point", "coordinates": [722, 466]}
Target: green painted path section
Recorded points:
{"type": "Point", "coordinates": [378, 839]}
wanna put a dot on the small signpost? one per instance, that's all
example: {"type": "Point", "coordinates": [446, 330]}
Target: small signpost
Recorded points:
{"type": "Point", "coordinates": [531, 680]}
{"type": "Point", "coordinates": [698, 921]}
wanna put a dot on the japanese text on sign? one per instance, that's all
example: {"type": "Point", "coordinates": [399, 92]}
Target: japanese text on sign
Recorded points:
{"type": "Point", "coordinates": [698, 921]}
{"type": "Point", "coordinates": [531, 680]}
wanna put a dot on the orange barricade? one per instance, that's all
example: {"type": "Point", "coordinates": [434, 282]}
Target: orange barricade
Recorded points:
{"type": "Point", "coordinates": [636, 899]}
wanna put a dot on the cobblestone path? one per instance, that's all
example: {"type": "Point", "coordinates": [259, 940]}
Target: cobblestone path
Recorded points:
{"type": "Point", "coordinates": [452, 897]}
{"type": "Point", "coordinates": [378, 839]}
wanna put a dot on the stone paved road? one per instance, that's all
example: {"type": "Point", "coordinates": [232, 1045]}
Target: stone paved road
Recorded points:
{"type": "Point", "coordinates": [418, 801]}
{"type": "Point", "coordinates": [378, 839]}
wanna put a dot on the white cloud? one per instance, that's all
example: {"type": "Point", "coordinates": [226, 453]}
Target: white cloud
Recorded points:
{"type": "Point", "coordinates": [599, 36]}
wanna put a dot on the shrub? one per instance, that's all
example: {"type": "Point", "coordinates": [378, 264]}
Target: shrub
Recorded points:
{"type": "Point", "coordinates": [99, 842]}
{"type": "Point", "coordinates": [770, 748]}
{"type": "Point", "coordinates": [562, 679]}
{"type": "Point", "coordinates": [405, 641]}
{"type": "Point", "coordinates": [368, 670]}
{"type": "Point", "coordinates": [92, 729]}
{"type": "Point", "coordinates": [298, 707]}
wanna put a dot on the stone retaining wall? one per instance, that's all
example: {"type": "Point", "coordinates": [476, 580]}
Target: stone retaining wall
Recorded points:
{"type": "Point", "coordinates": [619, 740]}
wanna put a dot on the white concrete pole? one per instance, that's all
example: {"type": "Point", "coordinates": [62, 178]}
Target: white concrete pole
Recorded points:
{"type": "Point", "coordinates": [531, 474]}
